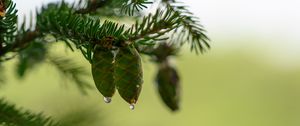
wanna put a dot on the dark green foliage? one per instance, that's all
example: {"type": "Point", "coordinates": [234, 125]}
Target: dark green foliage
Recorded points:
{"type": "Point", "coordinates": [128, 74]}
{"type": "Point", "coordinates": [12, 116]}
{"type": "Point", "coordinates": [7, 24]}
{"type": "Point", "coordinates": [103, 72]}
{"type": "Point", "coordinates": [168, 86]}
{"type": "Point", "coordinates": [13, 38]}
{"type": "Point", "coordinates": [84, 31]}
{"type": "Point", "coordinates": [61, 21]}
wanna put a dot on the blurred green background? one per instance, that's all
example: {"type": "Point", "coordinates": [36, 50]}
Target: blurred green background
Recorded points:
{"type": "Point", "coordinates": [250, 77]}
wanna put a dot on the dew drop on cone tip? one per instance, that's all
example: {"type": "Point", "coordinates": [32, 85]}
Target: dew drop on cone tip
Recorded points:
{"type": "Point", "coordinates": [131, 106]}
{"type": "Point", "coordinates": [107, 99]}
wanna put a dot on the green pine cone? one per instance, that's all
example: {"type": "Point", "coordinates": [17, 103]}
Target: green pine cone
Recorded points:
{"type": "Point", "coordinates": [128, 74]}
{"type": "Point", "coordinates": [168, 86]}
{"type": "Point", "coordinates": [103, 71]}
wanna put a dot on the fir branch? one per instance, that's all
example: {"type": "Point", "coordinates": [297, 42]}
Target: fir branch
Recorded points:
{"type": "Point", "coordinates": [190, 31]}
{"type": "Point", "coordinates": [60, 21]}
{"type": "Point", "coordinates": [24, 36]}
{"type": "Point", "coordinates": [130, 6]}
{"type": "Point", "coordinates": [69, 69]}
{"type": "Point", "coordinates": [20, 37]}
{"type": "Point", "coordinates": [12, 116]}
{"type": "Point", "coordinates": [8, 24]}
{"type": "Point", "coordinates": [84, 31]}
{"type": "Point", "coordinates": [21, 41]}
{"type": "Point", "coordinates": [153, 27]}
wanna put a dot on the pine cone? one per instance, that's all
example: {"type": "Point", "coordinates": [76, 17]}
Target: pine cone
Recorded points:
{"type": "Point", "coordinates": [168, 86]}
{"type": "Point", "coordinates": [103, 71]}
{"type": "Point", "coordinates": [128, 74]}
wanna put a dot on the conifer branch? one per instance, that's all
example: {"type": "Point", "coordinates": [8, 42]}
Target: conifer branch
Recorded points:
{"type": "Point", "coordinates": [8, 24]}
{"type": "Point", "coordinates": [8, 20]}
{"type": "Point", "coordinates": [153, 27]}
{"type": "Point", "coordinates": [191, 30]}
{"type": "Point", "coordinates": [15, 38]}
{"type": "Point", "coordinates": [12, 116]}
{"type": "Point", "coordinates": [130, 6]}
{"type": "Point", "coordinates": [84, 31]}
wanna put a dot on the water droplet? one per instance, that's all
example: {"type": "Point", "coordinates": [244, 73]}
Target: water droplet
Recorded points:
{"type": "Point", "coordinates": [107, 99]}
{"type": "Point", "coordinates": [131, 106]}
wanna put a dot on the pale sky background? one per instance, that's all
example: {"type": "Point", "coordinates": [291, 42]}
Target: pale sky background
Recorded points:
{"type": "Point", "coordinates": [275, 24]}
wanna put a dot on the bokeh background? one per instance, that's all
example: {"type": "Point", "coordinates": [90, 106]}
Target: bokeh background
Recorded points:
{"type": "Point", "coordinates": [250, 77]}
